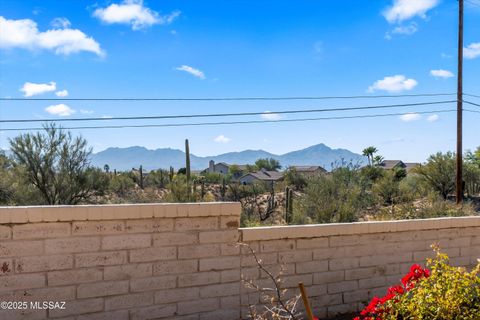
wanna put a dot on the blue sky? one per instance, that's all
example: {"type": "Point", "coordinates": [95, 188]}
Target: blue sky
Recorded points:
{"type": "Point", "coordinates": [85, 49]}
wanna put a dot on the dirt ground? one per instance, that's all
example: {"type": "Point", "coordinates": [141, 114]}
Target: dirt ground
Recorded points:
{"type": "Point", "coordinates": [349, 316]}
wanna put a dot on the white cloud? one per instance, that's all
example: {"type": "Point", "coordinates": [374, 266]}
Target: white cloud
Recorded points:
{"type": "Point", "coordinates": [406, 9]}
{"type": "Point", "coordinates": [60, 23]}
{"type": "Point", "coordinates": [61, 93]}
{"type": "Point", "coordinates": [32, 89]}
{"type": "Point", "coordinates": [433, 118]}
{"type": "Point", "coordinates": [222, 139]}
{"type": "Point", "coordinates": [134, 13]}
{"type": "Point", "coordinates": [84, 111]}
{"type": "Point", "coordinates": [169, 18]}
{"type": "Point", "coordinates": [24, 34]}
{"type": "Point", "coordinates": [445, 56]}
{"type": "Point", "coordinates": [407, 117]}
{"type": "Point", "coordinates": [194, 72]}
{"type": "Point", "coordinates": [403, 30]}
{"type": "Point", "coordinates": [268, 115]}
{"type": "Point", "coordinates": [440, 73]}
{"type": "Point", "coordinates": [61, 110]}
{"type": "Point", "coordinates": [395, 83]}
{"type": "Point", "coordinates": [472, 51]}
{"type": "Point", "coordinates": [410, 29]}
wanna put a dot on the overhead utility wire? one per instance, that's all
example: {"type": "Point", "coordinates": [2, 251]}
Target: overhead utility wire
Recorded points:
{"type": "Point", "coordinates": [472, 103]}
{"type": "Point", "coordinates": [227, 114]}
{"type": "Point", "coordinates": [471, 95]}
{"type": "Point", "coordinates": [234, 98]}
{"type": "Point", "coordinates": [232, 122]}
{"type": "Point", "coordinates": [473, 3]}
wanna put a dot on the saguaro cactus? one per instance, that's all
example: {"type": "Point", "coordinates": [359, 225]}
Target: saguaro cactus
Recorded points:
{"type": "Point", "coordinates": [288, 204]}
{"type": "Point", "coordinates": [141, 176]}
{"type": "Point", "coordinates": [171, 174]}
{"type": "Point", "coordinates": [203, 189]}
{"type": "Point", "coordinates": [223, 191]}
{"type": "Point", "coordinates": [271, 200]}
{"type": "Point", "coordinates": [187, 160]}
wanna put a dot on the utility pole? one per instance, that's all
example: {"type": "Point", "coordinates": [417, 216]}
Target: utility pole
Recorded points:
{"type": "Point", "coordinates": [459, 171]}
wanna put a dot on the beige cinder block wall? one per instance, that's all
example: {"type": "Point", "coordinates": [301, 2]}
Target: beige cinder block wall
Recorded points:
{"type": "Point", "coordinates": [180, 261]}
{"type": "Point", "coordinates": [122, 262]}
{"type": "Point", "coordinates": [345, 265]}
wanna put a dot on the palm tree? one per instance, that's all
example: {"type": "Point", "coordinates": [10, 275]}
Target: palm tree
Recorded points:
{"type": "Point", "coordinates": [369, 152]}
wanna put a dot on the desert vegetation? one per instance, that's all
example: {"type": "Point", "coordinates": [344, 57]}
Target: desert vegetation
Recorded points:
{"type": "Point", "coordinates": [52, 167]}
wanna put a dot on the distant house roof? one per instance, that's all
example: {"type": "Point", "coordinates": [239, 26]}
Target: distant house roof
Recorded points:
{"type": "Point", "coordinates": [390, 164]}
{"type": "Point", "coordinates": [411, 165]}
{"type": "Point", "coordinates": [264, 175]}
{"type": "Point", "coordinates": [239, 166]}
{"type": "Point", "coordinates": [306, 169]}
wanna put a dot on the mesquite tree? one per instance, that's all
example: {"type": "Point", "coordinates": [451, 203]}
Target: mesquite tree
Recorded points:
{"type": "Point", "coordinates": [57, 164]}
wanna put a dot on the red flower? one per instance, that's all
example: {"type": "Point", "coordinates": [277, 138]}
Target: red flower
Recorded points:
{"type": "Point", "coordinates": [377, 307]}
{"type": "Point", "coordinates": [416, 273]}
{"type": "Point", "coordinates": [396, 290]}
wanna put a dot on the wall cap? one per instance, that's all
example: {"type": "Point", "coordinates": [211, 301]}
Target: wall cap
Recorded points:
{"type": "Point", "coordinates": [29, 214]}
{"type": "Point", "coordinates": [339, 229]}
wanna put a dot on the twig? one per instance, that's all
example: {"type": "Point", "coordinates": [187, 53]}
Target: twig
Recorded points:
{"type": "Point", "coordinates": [277, 288]}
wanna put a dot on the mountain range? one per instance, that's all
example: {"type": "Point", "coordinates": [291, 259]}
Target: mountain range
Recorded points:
{"type": "Point", "coordinates": [132, 157]}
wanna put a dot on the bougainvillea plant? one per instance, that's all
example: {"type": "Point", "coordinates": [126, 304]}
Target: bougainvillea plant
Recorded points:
{"type": "Point", "coordinates": [440, 292]}
{"type": "Point", "coordinates": [379, 306]}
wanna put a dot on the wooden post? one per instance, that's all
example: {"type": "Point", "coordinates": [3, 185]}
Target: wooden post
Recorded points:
{"type": "Point", "coordinates": [308, 309]}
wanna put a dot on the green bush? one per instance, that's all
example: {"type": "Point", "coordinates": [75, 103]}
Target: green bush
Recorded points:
{"type": "Point", "coordinates": [338, 197]}
{"type": "Point", "coordinates": [121, 184]}
{"type": "Point", "coordinates": [442, 292]}
{"type": "Point", "coordinates": [180, 190]}
{"type": "Point", "coordinates": [157, 178]}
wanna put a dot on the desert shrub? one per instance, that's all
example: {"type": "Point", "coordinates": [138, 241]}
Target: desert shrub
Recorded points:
{"type": "Point", "coordinates": [269, 164]}
{"type": "Point", "coordinates": [295, 179]}
{"type": "Point", "coordinates": [121, 184]}
{"type": "Point", "coordinates": [7, 192]}
{"type": "Point", "coordinates": [439, 173]}
{"type": "Point", "coordinates": [157, 178]}
{"type": "Point", "coordinates": [371, 174]}
{"type": "Point", "coordinates": [180, 190]}
{"type": "Point", "coordinates": [432, 206]}
{"type": "Point", "coordinates": [471, 176]}
{"type": "Point", "coordinates": [387, 188]}
{"type": "Point", "coordinates": [412, 187]}
{"type": "Point", "coordinates": [338, 197]}
{"type": "Point", "coordinates": [215, 177]}
{"type": "Point", "coordinates": [440, 292]}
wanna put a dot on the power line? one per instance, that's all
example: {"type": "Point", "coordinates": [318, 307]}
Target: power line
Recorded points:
{"type": "Point", "coordinates": [231, 122]}
{"type": "Point", "coordinates": [472, 103]}
{"type": "Point", "coordinates": [229, 114]}
{"type": "Point", "coordinates": [471, 95]}
{"type": "Point", "coordinates": [235, 98]}
{"type": "Point", "coordinates": [473, 111]}
{"type": "Point", "coordinates": [476, 4]}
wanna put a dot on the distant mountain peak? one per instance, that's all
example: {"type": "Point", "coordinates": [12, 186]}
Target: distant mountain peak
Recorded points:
{"type": "Point", "coordinates": [126, 158]}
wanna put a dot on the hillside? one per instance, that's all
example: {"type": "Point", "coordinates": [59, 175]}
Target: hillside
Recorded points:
{"type": "Point", "coordinates": [128, 158]}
